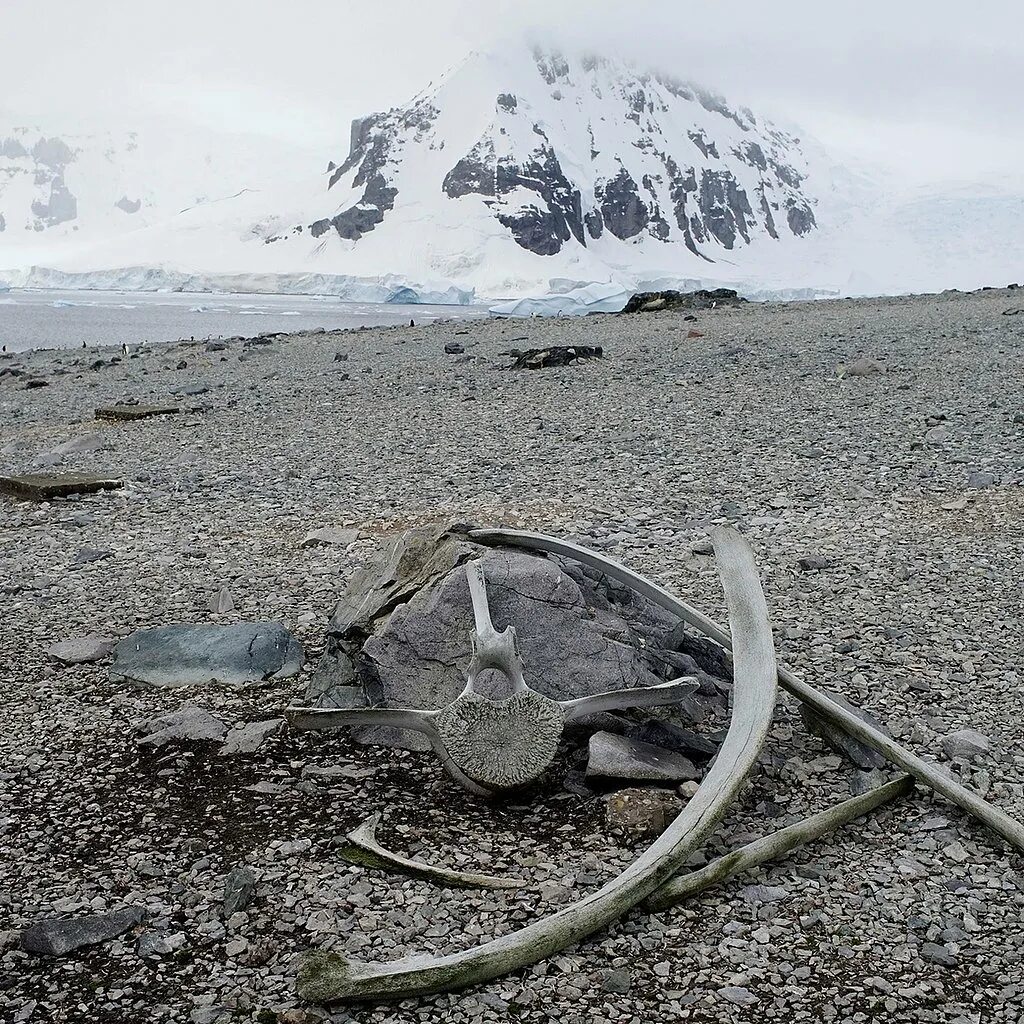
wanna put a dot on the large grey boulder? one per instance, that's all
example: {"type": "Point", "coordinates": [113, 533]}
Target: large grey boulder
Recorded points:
{"type": "Point", "coordinates": [186, 655]}
{"type": "Point", "coordinates": [400, 635]}
{"type": "Point", "coordinates": [56, 936]}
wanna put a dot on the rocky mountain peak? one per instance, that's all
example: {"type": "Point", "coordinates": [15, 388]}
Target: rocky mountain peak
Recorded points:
{"type": "Point", "coordinates": [584, 152]}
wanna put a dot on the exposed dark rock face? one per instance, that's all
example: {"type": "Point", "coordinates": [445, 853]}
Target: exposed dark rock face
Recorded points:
{"type": "Point", "coordinates": [12, 149]}
{"type": "Point", "coordinates": [507, 102]}
{"type": "Point", "coordinates": [725, 207]}
{"type": "Point", "coordinates": [754, 155]}
{"type": "Point", "coordinates": [706, 147]}
{"type": "Point", "coordinates": [647, 302]}
{"type": "Point", "coordinates": [595, 224]}
{"type": "Point", "coordinates": [801, 219]}
{"type": "Point", "coordinates": [543, 227]}
{"type": "Point", "coordinates": [61, 207]}
{"type": "Point", "coordinates": [53, 153]}
{"type": "Point", "coordinates": [375, 149]}
{"type": "Point", "coordinates": [766, 209]}
{"type": "Point", "coordinates": [474, 174]}
{"type": "Point", "coordinates": [625, 213]}
{"type": "Point", "coordinates": [3, 224]}
{"type": "Point", "coordinates": [552, 66]}
{"type": "Point", "coordinates": [129, 205]}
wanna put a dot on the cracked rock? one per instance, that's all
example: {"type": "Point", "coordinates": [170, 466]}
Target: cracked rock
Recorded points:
{"type": "Point", "coordinates": [56, 936]}
{"type": "Point", "coordinates": [186, 655]}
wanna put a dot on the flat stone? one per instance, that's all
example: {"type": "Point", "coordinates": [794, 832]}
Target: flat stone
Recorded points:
{"type": "Point", "coordinates": [965, 745]}
{"type": "Point", "coordinates": [864, 367]}
{"type": "Point", "coordinates": [813, 563]}
{"type": "Point", "coordinates": [617, 757]}
{"type": "Point", "coordinates": [83, 649]}
{"type": "Point", "coordinates": [616, 982]}
{"type": "Point", "coordinates": [758, 895]}
{"type": "Point", "coordinates": [644, 812]}
{"type": "Point", "coordinates": [44, 486]}
{"type": "Point", "coordinates": [187, 655]}
{"type": "Point", "coordinates": [331, 535]}
{"type": "Point", "coordinates": [738, 995]}
{"type": "Point", "coordinates": [134, 412]}
{"type": "Point", "coordinates": [222, 602]}
{"type": "Point", "coordinates": [674, 737]}
{"type": "Point", "coordinates": [56, 936]}
{"type": "Point", "coordinates": [337, 771]}
{"type": "Point", "coordinates": [190, 722]}
{"type": "Point", "coordinates": [842, 743]}
{"type": "Point", "coordinates": [862, 782]}
{"type": "Point", "coordinates": [246, 739]}
{"type": "Point", "coordinates": [239, 885]}
{"type": "Point", "coordinates": [936, 954]}
{"type": "Point", "coordinates": [85, 443]}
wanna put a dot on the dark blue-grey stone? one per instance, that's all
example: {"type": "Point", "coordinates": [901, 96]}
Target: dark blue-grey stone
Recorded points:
{"type": "Point", "coordinates": [187, 655]}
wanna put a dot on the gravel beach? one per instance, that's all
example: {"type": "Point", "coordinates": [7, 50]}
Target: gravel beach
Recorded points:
{"type": "Point", "coordinates": [872, 452]}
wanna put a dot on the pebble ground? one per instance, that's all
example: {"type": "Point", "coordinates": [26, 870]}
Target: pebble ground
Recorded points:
{"type": "Point", "coordinates": [905, 484]}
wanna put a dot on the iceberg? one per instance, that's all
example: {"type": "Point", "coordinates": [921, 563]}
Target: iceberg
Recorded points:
{"type": "Point", "coordinates": [591, 298]}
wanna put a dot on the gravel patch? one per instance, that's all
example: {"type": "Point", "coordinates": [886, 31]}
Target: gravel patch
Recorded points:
{"type": "Point", "coordinates": [871, 450]}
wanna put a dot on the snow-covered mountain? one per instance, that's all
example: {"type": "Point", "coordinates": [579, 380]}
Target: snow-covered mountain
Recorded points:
{"type": "Point", "coordinates": [62, 192]}
{"type": "Point", "coordinates": [519, 172]}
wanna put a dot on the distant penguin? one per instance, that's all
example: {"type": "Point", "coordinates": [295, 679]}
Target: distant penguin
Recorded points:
{"type": "Point", "coordinates": [124, 348]}
{"type": "Point", "coordinates": [412, 323]}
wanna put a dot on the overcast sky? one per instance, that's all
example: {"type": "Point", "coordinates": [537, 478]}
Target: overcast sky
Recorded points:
{"type": "Point", "coordinates": [930, 89]}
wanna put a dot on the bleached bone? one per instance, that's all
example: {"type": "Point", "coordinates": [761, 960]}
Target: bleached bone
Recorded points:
{"type": "Point", "coordinates": [490, 746]}
{"type": "Point", "coordinates": [364, 849]}
{"type": "Point", "coordinates": [778, 844]}
{"type": "Point", "coordinates": [966, 799]}
{"type": "Point", "coordinates": [326, 977]}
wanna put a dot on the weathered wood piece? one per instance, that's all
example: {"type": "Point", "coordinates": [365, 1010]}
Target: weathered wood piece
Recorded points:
{"type": "Point", "coordinates": [326, 977]}
{"type": "Point", "coordinates": [45, 486]}
{"type": "Point", "coordinates": [134, 412]}
{"type": "Point", "coordinates": [776, 845]}
{"type": "Point", "coordinates": [998, 821]}
{"type": "Point", "coordinates": [363, 849]}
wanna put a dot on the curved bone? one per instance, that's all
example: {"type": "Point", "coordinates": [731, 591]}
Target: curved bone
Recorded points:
{"type": "Point", "coordinates": [364, 849]}
{"type": "Point", "coordinates": [777, 844]}
{"type": "Point", "coordinates": [966, 799]}
{"type": "Point", "coordinates": [637, 697]}
{"type": "Point", "coordinates": [328, 977]}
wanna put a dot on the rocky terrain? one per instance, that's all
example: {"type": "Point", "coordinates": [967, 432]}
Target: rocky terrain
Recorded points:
{"type": "Point", "coordinates": [872, 451]}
